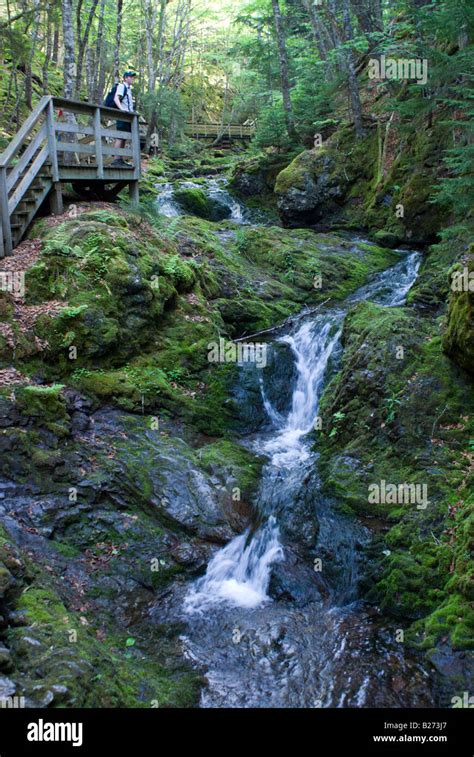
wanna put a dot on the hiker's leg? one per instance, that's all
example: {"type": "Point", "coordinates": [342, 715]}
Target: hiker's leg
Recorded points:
{"type": "Point", "coordinates": [119, 143]}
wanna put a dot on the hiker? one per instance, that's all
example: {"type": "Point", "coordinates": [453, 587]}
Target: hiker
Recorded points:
{"type": "Point", "coordinates": [123, 100]}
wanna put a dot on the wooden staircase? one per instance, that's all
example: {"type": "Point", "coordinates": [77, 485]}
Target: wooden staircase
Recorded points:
{"type": "Point", "coordinates": [29, 205]}
{"type": "Point", "coordinates": [63, 141]}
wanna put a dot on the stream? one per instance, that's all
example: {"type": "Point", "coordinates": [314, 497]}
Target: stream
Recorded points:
{"type": "Point", "coordinates": [275, 621]}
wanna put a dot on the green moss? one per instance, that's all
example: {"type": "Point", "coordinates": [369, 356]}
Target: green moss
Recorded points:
{"type": "Point", "coordinates": [197, 202]}
{"type": "Point", "coordinates": [453, 621]}
{"type": "Point", "coordinates": [295, 176]}
{"type": "Point", "coordinates": [108, 673]}
{"type": "Point", "coordinates": [405, 420]}
{"type": "Point", "coordinates": [46, 403]}
{"type": "Point", "coordinates": [231, 459]}
{"type": "Point", "coordinates": [458, 337]}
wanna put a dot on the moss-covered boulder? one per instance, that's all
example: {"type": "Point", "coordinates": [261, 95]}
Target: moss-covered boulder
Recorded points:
{"type": "Point", "coordinates": [197, 202]}
{"type": "Point", "coordinates": [115, 286]}
{"type": "Point", "coordinates": [381, 183]}
{"type": "Point", "coordinates": [458, 337]}
{"type": "Point", "coordinates": [309, 188]}
{"type": "Point", "coordinates": [256, 177]}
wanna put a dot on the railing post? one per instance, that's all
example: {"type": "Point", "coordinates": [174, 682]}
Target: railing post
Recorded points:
{"type": "Point", "coordinates": [136, 148]}
{"type": "Point", "coordinates": [56, 196]}
{"type": "Point", "coordinates": [5, 215]}
{"type": "Point", "coordinates": [98, 144]}
{"type": "Point", "coordinates": [52, 142]}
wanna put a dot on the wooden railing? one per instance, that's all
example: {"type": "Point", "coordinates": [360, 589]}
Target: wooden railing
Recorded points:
{"type": "Point", "coordinates": [234, 131]}
{"type": "Point", "coordinates": [89, 150]}
{"type": "Point", "coordinates": [64, 140]}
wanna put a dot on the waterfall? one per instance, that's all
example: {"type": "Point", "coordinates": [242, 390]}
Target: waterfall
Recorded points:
{"type": "Point", "coordinates": [239, 574]}
{"type": "Point", "coordinates": [165, 202]}
{"type": "Point", "coordinates": [167, 205]}
{"type": "Point", "coordinates": [218, 193]}
{"type": "Point", "coordinates": [312, 345]}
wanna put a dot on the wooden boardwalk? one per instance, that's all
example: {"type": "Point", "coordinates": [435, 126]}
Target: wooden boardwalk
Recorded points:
{"type": "Point", "coordinates": [63, 141]}
{"type": "Point", "coordinates": [217, 131]}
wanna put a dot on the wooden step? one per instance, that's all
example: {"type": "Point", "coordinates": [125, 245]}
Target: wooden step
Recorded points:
{"type": "Point", "coordinates": [35, 190]}
{"type": "Point", "coordinates": [21, 212]}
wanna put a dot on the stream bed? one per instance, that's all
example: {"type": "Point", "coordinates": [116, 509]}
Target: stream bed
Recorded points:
{"type": "Point", "coordinates": [276, 621]}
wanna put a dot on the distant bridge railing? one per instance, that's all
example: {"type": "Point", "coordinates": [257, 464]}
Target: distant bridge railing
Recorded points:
{"type": "Point", "coordinates": [213, 131]}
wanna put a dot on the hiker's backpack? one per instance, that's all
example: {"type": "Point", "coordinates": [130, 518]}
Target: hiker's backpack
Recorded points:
{"type": "Point", "coordinates": [109, 101]}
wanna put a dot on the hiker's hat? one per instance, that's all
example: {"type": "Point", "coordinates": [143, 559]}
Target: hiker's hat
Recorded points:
{"type": "Point", "coordinates": [129, 73]}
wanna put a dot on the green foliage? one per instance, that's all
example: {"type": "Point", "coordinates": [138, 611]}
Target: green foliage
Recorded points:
{"type": "Point", "coordinates": [271, 129]}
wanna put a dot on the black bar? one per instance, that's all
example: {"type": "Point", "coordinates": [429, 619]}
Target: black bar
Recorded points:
{"type": "Point", "coordinates": [320, 731]}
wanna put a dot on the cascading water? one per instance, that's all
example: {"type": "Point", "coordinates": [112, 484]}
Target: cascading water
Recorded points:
{"type": "Point", "coordinates": [317, 645]}
{"type": "Point", "coordinates": [239, 574]}
{"type": "Point", "coordinates": [165, 202]}
{"type": "Point", "coordinates": [169, 207]}
{"type": "Point", "coordinates": [312, 346]}
{"type": "Point", "coordinates": [217, 192]}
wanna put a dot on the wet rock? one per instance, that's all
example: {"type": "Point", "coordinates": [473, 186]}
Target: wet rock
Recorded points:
{"type": "Point", "coordinates": [60, 692]}
{"type": "Point", "coordinates": [295, 581]}
{"type": "Point", "coordinates": [26, 646]}
{"type": "Point", "coordinates": [258, 175]}
{"type": "Point", "coordinates": [188, 555]}
{"type": "Point", "coordinates": [7, 687]}
{"type": "Point", "coordinates": [6, 580]}
{"type": "Point", "coordinates": [458, 338]}
{"type": "Point", "coordinates": [162, 474]}
{"type": "Point", "coordinates": [6, 662]}
{"type": "Point", "coordinates": [79, 422]}
{"type": "Point", "coordinates": [195, 201]}
{"type": "Point", "coordinates": [41, 695]}
{"type": "Point", "coordinates": [7, 489]}
{"type": "Point", "coordinates": [17, 618]}
{"type": "Point", "coordinates": [47, 514]}
{"type": "Point", "coordinates": [309, 188]}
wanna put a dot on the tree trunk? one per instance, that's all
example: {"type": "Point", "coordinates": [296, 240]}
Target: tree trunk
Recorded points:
{"type": "Point", "coordinates": [55, 53]}
{"type": "Point", "coordinates": [90, 74]}
{"type": "Point", "coordinates": [368, 14]}
{"type": "Point", "coordinates": [316, 29]}
{"type": "Point", "coordinates": [351, 73]}
{"type": "Point", "coordinates": [48, 51]}
{"type": "Point", "coordinates": [118, 40]}
{"type": "Point", "coordinates": [284, 75]}
{"type": "Point", "coordinates": [28, 67]}
{"type": "Point", "coordinates": [82, 42]}
{"type": "Point", "coordinates": [69, 49]}
{"type": "Point", "coordinates": [152, 64]}
{"type": "Point", "coordinates": [377, 13]}
{"type": "Point", "coordinates": [100, 56]}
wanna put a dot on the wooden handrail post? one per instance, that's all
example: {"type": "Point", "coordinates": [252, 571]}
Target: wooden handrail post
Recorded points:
{"type": "Point", "coordinates": [53, 155]}
{"type": "Point", "coordinates": [5, 215]}
{"type": "Point", "coordinates": [98, 144]}
{"type": "Point", "coordinates": [136, 149]}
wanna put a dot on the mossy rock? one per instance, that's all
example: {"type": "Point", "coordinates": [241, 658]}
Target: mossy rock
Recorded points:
{"type": "Point", "coordinates": [458, 337]}
{"type": "Point", "coordinates": [45, 403]}
{"type": "Point", "coordinates": [195, 201]}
